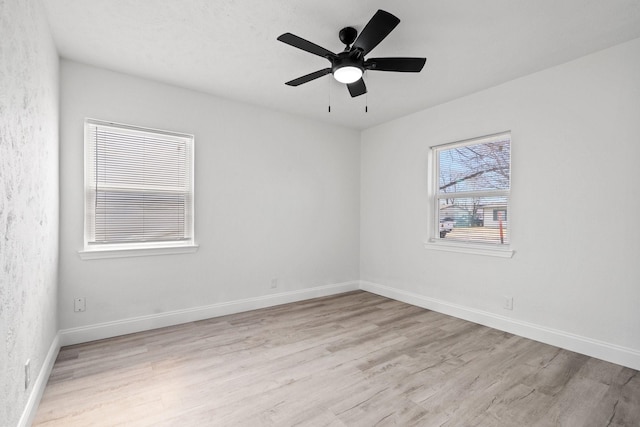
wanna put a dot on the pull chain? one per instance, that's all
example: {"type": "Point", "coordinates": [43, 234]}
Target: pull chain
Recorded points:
{"type": "Point", "coordinates": [329, 106]}
{"type": "Point", "coordinates": [366, 100]}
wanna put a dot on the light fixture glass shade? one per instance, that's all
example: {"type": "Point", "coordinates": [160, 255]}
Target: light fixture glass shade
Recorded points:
{"type": "Point", "coordinates": [347, 74]}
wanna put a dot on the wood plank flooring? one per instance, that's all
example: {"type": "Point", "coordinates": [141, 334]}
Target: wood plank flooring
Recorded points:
{"type": "Point", "coordinates": [355, 359]}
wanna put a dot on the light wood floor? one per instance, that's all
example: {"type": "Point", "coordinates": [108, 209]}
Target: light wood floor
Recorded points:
{"type": "Point", "coordinates": [355, 359]}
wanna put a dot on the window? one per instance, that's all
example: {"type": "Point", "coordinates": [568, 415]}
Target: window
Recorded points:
{"type": "Point", "coordinates": [499, 214]}
{"type": "Point", "coordinates": [470, 188]}
{"type": "Point", "coordinates": [138, 190]}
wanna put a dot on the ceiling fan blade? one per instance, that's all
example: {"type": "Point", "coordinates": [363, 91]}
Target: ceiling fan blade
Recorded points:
{"type": "Point", "coordinates": [306, 45]}
{"type": "Point", "coordinates": [407, 65]}
{"type": "Point", "coordinates": [309, 77]}
{"type": "Point", "coordinates": [357, 88]}
{"type": "Point", "coordinates": [375, 31]}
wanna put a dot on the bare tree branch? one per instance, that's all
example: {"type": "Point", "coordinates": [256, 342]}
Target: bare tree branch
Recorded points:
{"type": "Point", "coordinates": [473, 175]}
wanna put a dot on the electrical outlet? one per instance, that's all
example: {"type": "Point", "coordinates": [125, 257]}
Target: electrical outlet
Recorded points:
{"type": "Point", "coordinates": [79, 304]}
{"type": "Point", "coordinates": [27, 374]}
{"type": "Point", "coordinates": [508, 303]}
{"type": "Point", "coordinates": [274, 283]}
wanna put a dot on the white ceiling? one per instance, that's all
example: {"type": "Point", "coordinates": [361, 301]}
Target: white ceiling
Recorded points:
{"type": "Point", "coordinates": [228, 48]}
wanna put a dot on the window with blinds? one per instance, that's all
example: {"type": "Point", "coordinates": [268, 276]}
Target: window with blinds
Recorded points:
{"type": "Point", "coordinates": [472, 181]}
{"type": "Point", "coordinates": [138, 187]}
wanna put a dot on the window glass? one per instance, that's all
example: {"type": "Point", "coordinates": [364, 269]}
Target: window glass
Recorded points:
{"type": "Point", "coordinates": [138, 187]}
{"type": "Point", "coordinates": [473, 181]}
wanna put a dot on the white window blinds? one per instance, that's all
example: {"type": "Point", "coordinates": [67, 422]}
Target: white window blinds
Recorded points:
{"type": "Point", "coordinates": [139, 186]}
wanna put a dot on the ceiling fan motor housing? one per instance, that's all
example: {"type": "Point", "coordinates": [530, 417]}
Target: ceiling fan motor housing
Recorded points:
{"type": "Point", "coordinates": [347, 59]}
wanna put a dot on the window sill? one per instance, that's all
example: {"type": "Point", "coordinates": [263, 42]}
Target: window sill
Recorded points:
{"type": "Point", "coordinates": [468, 249]}
{"type": "Point", "coordinates": [88, 254]}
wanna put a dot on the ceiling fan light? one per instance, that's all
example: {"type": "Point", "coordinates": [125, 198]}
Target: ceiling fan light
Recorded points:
{"type": "Point", "coordinates": [347, 74]}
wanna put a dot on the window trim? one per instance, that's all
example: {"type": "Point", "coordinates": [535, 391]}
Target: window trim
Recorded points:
{"type": "Point", "coordinates": [133, 249]}
{"type": "Point", "coordinates": [433, 241]}
{"type": "Point", "coordinates": [112, 252]}
{"type": "Point", "coordinates": [468, 248]}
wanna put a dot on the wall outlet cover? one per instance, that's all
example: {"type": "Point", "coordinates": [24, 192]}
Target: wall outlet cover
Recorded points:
{"type": "Point", "coordinates": [508, 303]}
{"type": "Point", "coordinates": [79, 304]}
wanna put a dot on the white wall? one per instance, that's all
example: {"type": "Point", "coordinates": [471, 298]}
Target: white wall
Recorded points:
{"type": "Point", "coordinates": [28, 203]}
{"type": "Point", "coordinates": [574, 213]}
{"type": "Point", "coordinates": [276, 197]}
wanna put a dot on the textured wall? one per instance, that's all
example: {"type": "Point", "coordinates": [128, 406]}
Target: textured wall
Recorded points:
{"type": "Point", "coordinates": [28, 198]}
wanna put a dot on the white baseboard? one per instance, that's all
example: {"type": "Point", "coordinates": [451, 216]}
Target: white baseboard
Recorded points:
{"type": "Point", "coordinates": [599, 349]}
{"type": "Point", "coordinates": [160, 320]}
{"type": "Point", "coordinates": [30, 409]}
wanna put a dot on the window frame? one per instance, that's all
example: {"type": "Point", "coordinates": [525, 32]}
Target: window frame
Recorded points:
{"type": "Point", "coordinates": [92, 250]}
{"type": "Point", "coordinates": [434, 241]}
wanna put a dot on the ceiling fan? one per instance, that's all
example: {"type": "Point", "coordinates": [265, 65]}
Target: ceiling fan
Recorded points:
{"type": "Point", "coordinates": [349, 65]}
